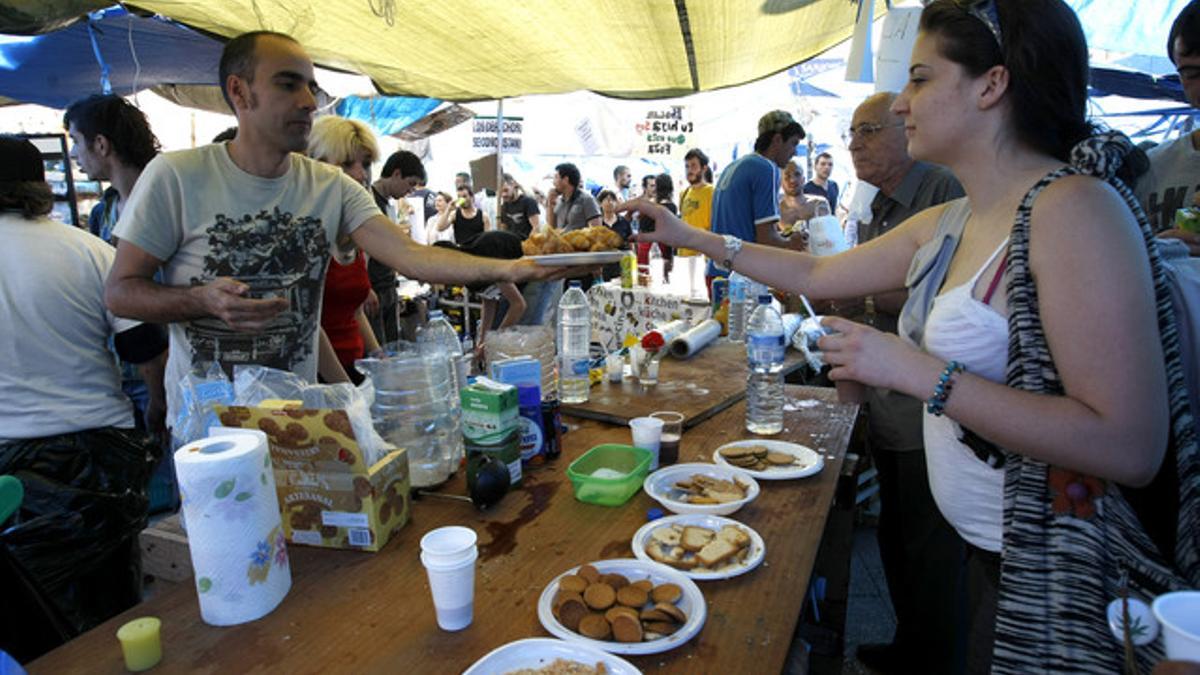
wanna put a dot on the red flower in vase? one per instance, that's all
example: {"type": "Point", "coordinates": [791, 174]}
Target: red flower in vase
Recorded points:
{"type": "Point", "coordinates": [653, 341]}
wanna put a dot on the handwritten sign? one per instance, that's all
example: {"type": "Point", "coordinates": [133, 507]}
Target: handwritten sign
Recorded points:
{"type": "Point", "coordinates": [620, 316]}
{"type": "Point", "coordinates": [665, 132]}
{"type": "Point", "coordinates": [483, 133]}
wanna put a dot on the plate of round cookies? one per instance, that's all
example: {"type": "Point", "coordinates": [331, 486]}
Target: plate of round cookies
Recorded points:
{"type": "Point", "coordinates": [770, 460]}
{"type": "Point", "coordinates": [623, 606]}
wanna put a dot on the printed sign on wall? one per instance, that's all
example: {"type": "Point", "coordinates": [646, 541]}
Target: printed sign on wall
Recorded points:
{"type": "Point", "coordinates": [665, 132]}
{"type": "Point", "coordinates": [483, 134]}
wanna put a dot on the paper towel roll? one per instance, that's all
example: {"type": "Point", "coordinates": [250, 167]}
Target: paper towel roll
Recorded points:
{"type": "Point", "coordinates": [239, 557]}
{"type": "Point", "coordinates": [685, 346]}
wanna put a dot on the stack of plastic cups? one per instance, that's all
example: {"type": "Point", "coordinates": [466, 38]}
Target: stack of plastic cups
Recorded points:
{"type": "Point", "coordinates": [449, 555]}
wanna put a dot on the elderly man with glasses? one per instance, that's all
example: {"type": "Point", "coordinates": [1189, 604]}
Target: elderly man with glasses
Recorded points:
{"type": "Point", "coordinates": [921, 553]}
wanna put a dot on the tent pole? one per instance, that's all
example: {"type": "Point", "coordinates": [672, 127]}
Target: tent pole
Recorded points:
{"type": "Point", "coordinates": [499, 158]}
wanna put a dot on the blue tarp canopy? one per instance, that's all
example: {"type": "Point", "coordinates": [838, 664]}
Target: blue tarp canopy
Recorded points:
{"type": "Point", "coordinates": [386, 114]}
{"type": "Point", "coordinates": [1132, 84]}
{"type": "Point", "coordinates": [132, 52]}
{"type": "Point", "coordinates": [1130, 26]}
{"type": "Point", "coordinates": [112, 50]}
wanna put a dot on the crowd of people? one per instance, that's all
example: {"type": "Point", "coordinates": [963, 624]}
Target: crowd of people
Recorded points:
{"type": "Point", "coordinates": [1027, 477]}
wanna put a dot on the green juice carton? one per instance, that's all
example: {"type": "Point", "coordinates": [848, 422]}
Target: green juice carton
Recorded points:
{"type": "Point", "coordinates": [490, 426]}
{"type": "Point", "coordinates": [489, 410]}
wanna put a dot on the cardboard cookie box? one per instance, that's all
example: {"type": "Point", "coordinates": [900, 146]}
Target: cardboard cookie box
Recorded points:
{"type": "Point", "coordinates": [327, 495]}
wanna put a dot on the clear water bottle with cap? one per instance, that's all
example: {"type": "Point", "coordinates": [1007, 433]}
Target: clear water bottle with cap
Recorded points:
{"type": "Point", "coordinates": [439, 331]}
{"type": "Point", "coordinates": [765, 352]}
{"type": "Point", "coordinates": [737, 307]}
{"type": "Point", "coordinates": [574, 338]}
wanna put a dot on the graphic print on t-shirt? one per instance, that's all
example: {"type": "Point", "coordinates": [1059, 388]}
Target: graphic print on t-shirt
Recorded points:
{"type": "Point", "coordinates": [276, 254]}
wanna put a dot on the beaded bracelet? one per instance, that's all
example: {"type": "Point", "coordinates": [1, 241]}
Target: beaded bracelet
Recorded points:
{"type": "Point", "coordinates": [936, 405]}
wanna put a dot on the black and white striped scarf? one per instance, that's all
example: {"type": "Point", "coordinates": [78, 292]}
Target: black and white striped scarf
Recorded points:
{"type": "Point", "coordinates": [1060, 571]}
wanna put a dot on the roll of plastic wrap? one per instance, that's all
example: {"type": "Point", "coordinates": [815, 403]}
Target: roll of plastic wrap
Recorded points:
{"type": "Point", "coordinates": [663, 335]}
{"type": "Point", "coordinates": [689, 343]}
{"type": "Point", "coordinates": [239, 556]}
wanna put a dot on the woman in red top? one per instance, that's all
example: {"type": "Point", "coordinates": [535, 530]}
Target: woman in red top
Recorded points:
{"type": "Point", "coordinates": [347, 333]}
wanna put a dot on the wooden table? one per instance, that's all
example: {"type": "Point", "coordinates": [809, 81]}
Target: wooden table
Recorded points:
{"type": "Point", "coordinates": [366, 613]}
{"type": "Point", "coordinates": [699, 387]}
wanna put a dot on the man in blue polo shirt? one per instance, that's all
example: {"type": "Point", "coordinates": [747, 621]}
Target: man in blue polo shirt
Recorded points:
{"type": "Point", "coordinates": [746, 201]}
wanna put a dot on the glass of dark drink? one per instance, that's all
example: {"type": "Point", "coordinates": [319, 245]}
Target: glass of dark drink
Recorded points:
{"type": "Point", "coordinates": [672, 431]}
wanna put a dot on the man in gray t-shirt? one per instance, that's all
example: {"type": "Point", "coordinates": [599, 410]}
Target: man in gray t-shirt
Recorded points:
{"type": "Point", "coordinates": [1173, 181]}
{"type": "Point", "coordinates": [244, 231]}
{"type": "Point", "coordinates": [568, 207]}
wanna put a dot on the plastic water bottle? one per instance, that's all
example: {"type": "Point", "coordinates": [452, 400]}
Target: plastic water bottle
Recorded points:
{"type": "Point", "coordinates": [446, 429]}
{"type": "Point", "coordinates": [737, 307]}
{"type": "Point", "coordinates": [658, 267]}
{"type": "Point", "coordinates": [574, 337]}
{"type": "Point", "coordinates": [439, 331]}
{"type": "Point", "coordinates": [764, 351]}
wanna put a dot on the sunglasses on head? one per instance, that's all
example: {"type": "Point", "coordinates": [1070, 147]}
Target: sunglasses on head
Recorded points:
{"type": "Point", "coordinates": [985, 11]}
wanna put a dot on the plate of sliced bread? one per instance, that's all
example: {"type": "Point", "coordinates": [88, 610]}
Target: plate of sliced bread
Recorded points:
{"type": "Point", "coordinates": [701, 546]}
{"type": "Point", "coordinates": [712, 489]}
{"type": "Point", "coordinates": [770, 460]}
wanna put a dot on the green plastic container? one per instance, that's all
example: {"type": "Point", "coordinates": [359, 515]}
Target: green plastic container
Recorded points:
{"type": "Point", "coordinates": [631, 463]}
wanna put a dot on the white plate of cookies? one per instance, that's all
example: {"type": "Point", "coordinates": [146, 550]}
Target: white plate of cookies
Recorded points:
{"type": "Point", "coordinates": [703, 547]}
{"type": "Point", "coordinates": [770, 460]}
{"type": "Point", "coordinates": [623, 606]}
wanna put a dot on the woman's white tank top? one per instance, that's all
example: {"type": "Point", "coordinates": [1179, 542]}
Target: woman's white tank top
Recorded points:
{"type": "Point", "coordinates": [968, 492]}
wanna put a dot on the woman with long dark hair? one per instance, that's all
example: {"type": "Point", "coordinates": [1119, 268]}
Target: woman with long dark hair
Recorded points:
{"type": "Point", "coordinates": [1039, 329]}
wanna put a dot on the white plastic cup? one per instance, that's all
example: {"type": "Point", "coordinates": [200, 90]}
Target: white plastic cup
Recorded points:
{"type": "Point", "coordinates": [825, 236]}
{"type": "Point", "coordinates": [647, 434]}
{"type": "Point", "coordinates": [1179, 615]}
{"type": "Point", "coordinates": [453, 589]}
{"type": "Point", "coordinates": [449, 545]}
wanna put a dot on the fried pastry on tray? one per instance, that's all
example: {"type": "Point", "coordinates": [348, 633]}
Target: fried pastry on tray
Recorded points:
{"type": "Point", "coordinates": [550, 241]}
